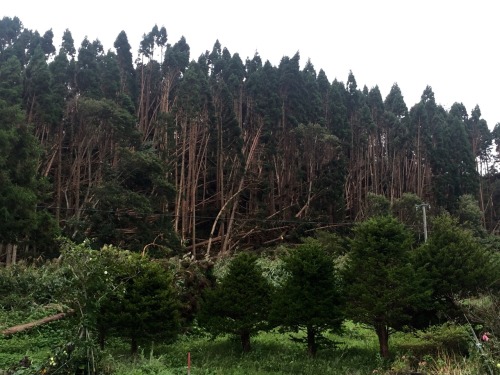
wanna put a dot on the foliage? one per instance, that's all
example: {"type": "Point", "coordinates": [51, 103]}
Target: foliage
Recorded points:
{"type": "Point", "coordinates": [378, 205]}
{"type": "Point", "coordinates": [405, 209]}
{"type": "Point", "coordinates": [310, 297]}
{"type": "Point", "coordinates": [129, 206]}
{"type": "Point", "coordinates": [103, 143]}
{"type": "Point", "coordinates": [482, 312]}
{"type": "Point", "coordinates": [455, 264]}
{"type": "Point", "coordinates": [107, 288]}
{"type": "Point", "coordinates": [470, 215]}
{"type": "Point", "coordinates": [448, 337]}
{"type": "Point", "coordinates": [122, 292]}
{"type": "Point", "coordinates": [30, 286]}
{"type": "Point", "coordinates": [191, 278]}
{"type": "Point", "coordinates": [271, 265]}
{"type": "Point", "coordinates": [19, 183]}
{"type": "Point", "coordinates": [355, 353]}
{"type": "Point", "coordinates": [226, 134]}
{"type": "Point", "coordinates": [442, 364]}
{"type": "Point", "coordinates": [380, 281]}
{"type": "Point", "coordinates": [72, 286]}
{"type": "Point", "coordinates": [270, 355]}
{"type": "Point", "coordinates": [143, 306]}
{"type": "Point", "coordinates": [240, 303]}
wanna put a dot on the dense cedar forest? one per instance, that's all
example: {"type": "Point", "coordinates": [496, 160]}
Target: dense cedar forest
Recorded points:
{"type": "Point", "coordinates": [167, 152]}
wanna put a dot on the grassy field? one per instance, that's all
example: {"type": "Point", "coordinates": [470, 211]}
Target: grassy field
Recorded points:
{"type": "Point", "coordinates": [272, 353]}
{"type": "Point", "coordinates": [441, 351]}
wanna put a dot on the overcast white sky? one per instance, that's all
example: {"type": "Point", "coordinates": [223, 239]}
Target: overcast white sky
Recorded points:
{"type": "Point", "coordinates": [451, 45]}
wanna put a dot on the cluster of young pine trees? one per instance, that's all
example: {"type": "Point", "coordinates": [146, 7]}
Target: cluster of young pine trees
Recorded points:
{"type": "Point", "coordinates": [211, 153]}
{"type": "Point", "coordinates": [382, 279]}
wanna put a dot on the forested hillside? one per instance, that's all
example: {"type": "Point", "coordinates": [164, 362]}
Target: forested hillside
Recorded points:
{"type": "Point", "coordinates": [169, 152]}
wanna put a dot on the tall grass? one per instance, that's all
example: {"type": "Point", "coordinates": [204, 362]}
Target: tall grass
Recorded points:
{"type": "Point", "coordinates": [355, 352]}
{"type": "Point", "coordinates": [271, 353]}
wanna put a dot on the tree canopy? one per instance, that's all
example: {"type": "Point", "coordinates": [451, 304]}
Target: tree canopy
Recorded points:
{"type": "Point", "coordinates": [237, 152]}
{"type": "Point", "coordinates": [381, 282]}
{"type": "Point", "coordinates": [240, 303]}
{"type": "Point", "coordinates": [311, 297]}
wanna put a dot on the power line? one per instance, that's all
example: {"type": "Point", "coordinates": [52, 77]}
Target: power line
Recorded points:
{"type": "Point", "coordinates": [202, 217]}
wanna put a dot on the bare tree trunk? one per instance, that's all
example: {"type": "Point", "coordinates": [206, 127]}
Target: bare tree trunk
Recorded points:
{"type": "Point", "coordinates": [77, 178]}
{"type": "Point", "coordinates": [419, 189]}
{"type": "Point", "coordinates": [233, 198]}
{"type": "Point", "coordinates": [59, 172]}
{"type": "Point", "coordinates": [214, 225]}
{"type": "Point", "coordinates": [36, 323]}
{"type": "Point", "coordinates": [191, 185]}
{"type": "Point", "coordinates": [179, 207]}
{"type": "Point", "coordinates": [14, 254]}
{"type": "Point", "coordinates": [195, 165]}
{"type": "Point", "coordinates": [8, 260]}
{"type": "Point", "coordinates": [248, 161]}
{"type": "Point", "coordinates": [11, 256]}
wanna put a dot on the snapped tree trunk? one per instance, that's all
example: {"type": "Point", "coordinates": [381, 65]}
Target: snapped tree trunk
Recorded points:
{"type": "Point", "coordinates": [11, 256]}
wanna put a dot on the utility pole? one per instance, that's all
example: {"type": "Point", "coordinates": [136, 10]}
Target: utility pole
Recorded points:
{"type": "Point", "coordinates": [424, 214]}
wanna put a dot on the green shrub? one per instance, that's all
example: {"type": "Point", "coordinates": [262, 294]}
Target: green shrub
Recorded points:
{"type": "Point", "coordinates": [24, 286]}
{"type": "Point", "coordinates": [449, 337]}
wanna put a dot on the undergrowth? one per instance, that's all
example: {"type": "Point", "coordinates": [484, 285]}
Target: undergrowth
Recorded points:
{"type": "Point", "coordinates": [356, 352]}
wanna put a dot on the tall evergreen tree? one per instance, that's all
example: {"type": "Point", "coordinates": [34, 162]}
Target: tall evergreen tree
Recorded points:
{"type": "Point", "coordinates": [125, 64]}
{"type": "Point", "coordinates": [87, 68]}
{"type": "Point", "coordinates": [110, 79]}
{"type": "Point", "coordinates": [480, 137]}
{"type": "Point", "coordinates": [46, 43]}
{"type": "Point", "coordinates": [19, 153]}
{"type": "Point", "coordinates": [10, 29]}
{"type": "Point", "coordinates": [68, 44]}
{"type": "Point", "coordinates": [292, 92]}
{"type": "Point", "coordinates": [324, 95]}
{"type": "Point", "coordinates": [394, 102]}
{"type": "Point", "coordinates": [453, 166]}
{"type": "Point", "coordinates": [174, 66]}
{"type": "Point", "coordinates": [311, 94]}
{"type": "Point", "coordinates": [37, 91]}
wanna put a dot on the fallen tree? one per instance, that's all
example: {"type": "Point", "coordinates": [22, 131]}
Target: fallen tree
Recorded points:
{"type": "Point", "coordinates": [36, 323]}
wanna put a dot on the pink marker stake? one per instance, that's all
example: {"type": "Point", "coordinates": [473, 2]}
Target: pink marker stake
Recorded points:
{"type": "Point", "coordinates": [189, 363]}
